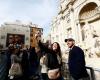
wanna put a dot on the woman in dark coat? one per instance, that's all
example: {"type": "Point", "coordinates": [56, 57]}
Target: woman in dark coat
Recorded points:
{"type": "Point", "coordinates": [54, 59]}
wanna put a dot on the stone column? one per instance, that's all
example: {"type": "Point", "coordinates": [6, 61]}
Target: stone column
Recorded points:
{"type": "Point", "coordinates": [72, 21]}
{"type": "Point", "coordinates": [79, 33]}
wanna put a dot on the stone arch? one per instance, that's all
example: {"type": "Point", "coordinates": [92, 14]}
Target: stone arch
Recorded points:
{"type": "Point", "coordinates": [86, 14]}
{"type": "Point", "coordinates": [87, 11]}
{"type": "Point", "coordinates": [84, 4]}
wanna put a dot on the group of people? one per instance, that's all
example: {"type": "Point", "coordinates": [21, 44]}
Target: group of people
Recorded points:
{"type": "Point", "coordinates": [48, 66]}
{"type": "Point", "coordinates": [22, 63]}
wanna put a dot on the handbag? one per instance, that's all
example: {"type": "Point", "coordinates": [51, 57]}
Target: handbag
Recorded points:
{"type": "Point", "coordinates": [54, 73]}
{"type": "Point", "coordinates": [15, 70]}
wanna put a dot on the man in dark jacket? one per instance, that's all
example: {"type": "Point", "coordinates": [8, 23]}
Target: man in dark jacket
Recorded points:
{"type": "Point", "coordinates": [25, 65]}
{"type": "Point", "coordinates": [76, 61]}
{"type": "Point", "coordinates": [33, 65]}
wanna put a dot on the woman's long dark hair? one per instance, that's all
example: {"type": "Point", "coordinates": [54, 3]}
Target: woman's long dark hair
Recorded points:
{"type": "Point", "coordinates": [58, 50]}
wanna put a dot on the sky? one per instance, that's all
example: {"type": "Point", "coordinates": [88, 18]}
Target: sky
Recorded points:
{"type": "Point", "coordinates": [39, 12]}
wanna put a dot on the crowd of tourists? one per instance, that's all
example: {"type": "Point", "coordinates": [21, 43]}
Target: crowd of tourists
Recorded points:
{"type": "Point", "coordinates": [27, 64]}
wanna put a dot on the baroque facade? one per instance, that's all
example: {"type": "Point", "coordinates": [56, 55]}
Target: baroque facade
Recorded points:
{"type": "Point", "coordinates": [79, 19]}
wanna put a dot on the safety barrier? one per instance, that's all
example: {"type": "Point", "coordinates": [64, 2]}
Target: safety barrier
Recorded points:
{"type": "Point", "coordinates": [91, 71]}
{"type": "Point", "coordinates": [3, 60]}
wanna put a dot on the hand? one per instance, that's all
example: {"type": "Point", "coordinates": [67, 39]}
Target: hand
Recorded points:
{"type": "Point", "coordinates": [38, 36]}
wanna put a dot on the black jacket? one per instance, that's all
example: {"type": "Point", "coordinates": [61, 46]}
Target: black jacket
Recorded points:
{"type": "Point", "coordinates": [76, 63]}
{"type": "Point", "coordinates": [52, 61]}
{"type": "Point", "coordinates": [33, 62]}
{"type": "Point", "coordinates": [25, 65]}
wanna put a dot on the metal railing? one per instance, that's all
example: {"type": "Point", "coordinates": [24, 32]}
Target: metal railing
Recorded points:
{"type": "Point", "coordinates": [91, 73]}
{"type": "Point", "coordinates": [66, 75]}
{"type": "Point", "coordinates": [3, 61]}
{"type": "Point", "coordinates": [65, 71]}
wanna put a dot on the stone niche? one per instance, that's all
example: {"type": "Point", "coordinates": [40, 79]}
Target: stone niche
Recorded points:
{"type": "Point", "coordinates": [90, 29]}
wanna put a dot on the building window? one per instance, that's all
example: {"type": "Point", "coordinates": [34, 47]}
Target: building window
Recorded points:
{"type": "Point", "coordinates": [31, 30]}
{"type": "Point", "coordinates": [18, 29]}
{"type": "Point", "coordinates": [2, 37]}
{"type": "Point", "coordinates": [69, 32]}
{"type": "Point", "coordinates": [27, 38]}
{"type": "Point", "coordinates": [3, 28]}
{"type": "Point", "coordinates": [14, 29]}
{"type": "Point", "coordinates": [31, 35]}
{"type": "Point", "coordinates": [68, 17]}
{"type": "Point", "coordinates": [27, 30]}
{"type": "Point", "coordinates": [31, 40]}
